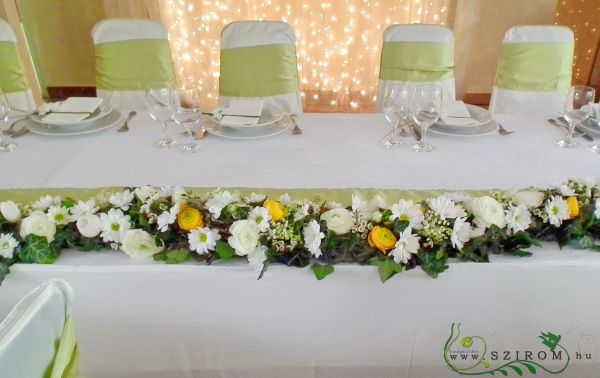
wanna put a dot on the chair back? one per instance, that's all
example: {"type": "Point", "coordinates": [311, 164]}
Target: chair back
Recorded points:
{"type": "Point", "coordinates": [534, 72]}
{"type": "Point", "coordinates": [13, 80]}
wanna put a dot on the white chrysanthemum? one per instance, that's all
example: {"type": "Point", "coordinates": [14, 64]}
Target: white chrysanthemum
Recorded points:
{"type": "Point", "coordinates": [312, 238]}
{"type": "Point", "coordinates": [461, 233]}
{"type": "Point", "coordinates": [257, 258]}
{"type": "Point", "coordinates": [144, 192]}
{"type": "Point", "coordinates": [255, 198]}
{"type": "Point", "coordinates": [10, 211]}
{"type": "Point", "coordinates": [518, 218]}
{"type": "Point", "coordinates": [406, 246]}
{"type": "Point", "coordinates": [408, 211]}
{"type": "Point", "coordinates": [7, 245]}
{"type": "Point", "coordinates": [332, 205]}
{"type": "Point", "coordinates": [446, 208]}
{"type": "Point", "coordinates": [176, 193]}
{"type": "Point", "coordinates": [114, 224]}
{"type": "Point", "coordinates": [167, 218]}
{"type": "Point", "coordinates": [45, 202]}
{"type": "Point", "coordinates": [202, 240]}
{"type": "Point", "coordinates": [458, 196]}
{"type": "Point", "coordinates": [597, 211]}
{"type": "Point", "coordinates": [121, 200]}
{"type": "Point", "coordinates": [59, 215]}
{"type": "Point", "coordinates": [367, 208]}
{"type": "Point", "coordinates": [301, 212]}
{"type": "Point", "coordinates": [83, 208]}
{"type": "Point", "coordinates": [218, 201]}
{"type": "Point", "coordinates": [285, 199]}
{"type": "Point", "coordinates": [566, 190]}
{"type": "Point", "coordinates": [261, 216]}
{"type": "Point", "coordinates": [557, 210]}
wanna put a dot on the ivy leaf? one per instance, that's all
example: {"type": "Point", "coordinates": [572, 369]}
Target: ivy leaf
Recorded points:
{"type": "Point", "coordinates": [176, 257]}
{"type": "Point", "coordinates": [65, 238]}
{"type": "Point", "coordinates": [68, 203]}
{"type": "Point", "coordinates": [224, 251]}
{"type": "Point", "coordinates": [91, 244]}
{"type": "Point", "coordinates": [387, 268]}
{"type": "Point", "coordinates": [4, 270]}
{"type": "Point", "coordinates": [433, 265]}
{"type": "Point", "coordinates": [322, 271]}
{"type": "Point", "coordinates": [522, 253]}
{"type": "Point", "coordinates": [400, 226]}
{"type": "Point", "coordinates": [587, 242]}
{"type": "Point", "coordinates": [37, 251]}
{"type": "Point", "coordinates": [527, 238]}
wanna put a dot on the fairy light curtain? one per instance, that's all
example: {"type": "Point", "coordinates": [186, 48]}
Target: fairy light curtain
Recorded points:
{"type": "Point", "coordinates": [338, 42]}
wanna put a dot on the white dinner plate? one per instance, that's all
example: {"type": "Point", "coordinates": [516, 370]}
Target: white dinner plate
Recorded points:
{"type": "Point", "coordinates": [473, 131]}
{"type": "Point", "coordinates": [267, 117]}
{"type": "Point", "coordinates": [590, 126]}
{"type": "Point", "coordinates": [480, 115]}
{"type": "Point", "coordinates": [53, 130]}
{"type": "Point", "coordinates": [248, 132]}
{"type": "Point", "coordinates": [102, 111]}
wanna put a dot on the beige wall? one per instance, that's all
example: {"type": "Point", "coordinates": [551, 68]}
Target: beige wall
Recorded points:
{"type": "Point", "coordinates": [479, 27]}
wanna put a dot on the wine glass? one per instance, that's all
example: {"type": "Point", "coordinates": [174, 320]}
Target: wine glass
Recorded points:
{"type": "Point", "coordinates": [396, 108]}
{"type": "Point", "coordinates": [577, 109]}
{"type": "Point", "coordinates": [5, 145]}
{"type": "Point", "coordinates": [187, 112]}
{"type": "Point", "coordinates": [157, 102]}
{"type": "Point", "coordinates": [426, 110]}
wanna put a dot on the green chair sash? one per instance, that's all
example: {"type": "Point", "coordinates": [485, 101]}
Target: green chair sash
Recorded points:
{"type": "Point", "coordinates": [258, 71]}
{"type": "Point", "coordinates": [417, 61]}
{"type": "Point", "coordinates": [66, 361]}
{"type": "Point", "coordinates": [133, 65]}
{"type": "Point", "coordinates": [535, 67]}
{"type": "Point", "coordinates": [12, 75]}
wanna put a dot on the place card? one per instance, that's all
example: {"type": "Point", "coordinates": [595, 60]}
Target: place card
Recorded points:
{"type": "Point", "coordinates": [243, 111]}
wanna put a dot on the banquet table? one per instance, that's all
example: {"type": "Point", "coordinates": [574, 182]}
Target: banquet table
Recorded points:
{"type": "Point", "coordinates": [147, 319]}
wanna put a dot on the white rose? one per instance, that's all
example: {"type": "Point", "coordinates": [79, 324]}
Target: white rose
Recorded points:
{"type": "Point", "coordinates": [139, 244]}
{"type": "Point", "coordinates": [10, 211]}
{"type": "Point", "coordinates": [38, 224]}
{"type": "Point", "coordinates": [529, 198]}
{"type": "Point", "coordinates": [338, 220]}
{"type": "Point", "coordinates": [488, 211]}
{"type": "Point", "coordinates": [244, 236]}
{"type": "Point", "coordinates": [89, 225]}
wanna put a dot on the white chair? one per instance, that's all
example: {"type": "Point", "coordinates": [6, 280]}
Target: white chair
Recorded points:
{"type": "Point", "coordinates": [131, 56]}
{"type": "Point", "coordinates": [534, 72]}
{"type": "Point", "coordinates": [13, 81]}
{"type": "Point", "coordinates": [258, 60]}
{"type": "Point", "coordinates": [417, 54]}
{"type": "Point", "coordinates": [37, 337]}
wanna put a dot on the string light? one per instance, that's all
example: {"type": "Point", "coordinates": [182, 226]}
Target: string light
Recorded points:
{"type": "Point", "coordinates": [337, 42]}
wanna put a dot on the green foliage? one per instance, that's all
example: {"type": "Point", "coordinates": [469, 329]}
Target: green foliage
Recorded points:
{"type": "Point", "coordinates": [434, 263]}
{"type": "Point", "coordinates": [4, 270]}
{"type": "Point", "coordinates": [346, 248]}
{"type": "Point", "coordinates": [176, 257]}
{"type": "Point", "coordinates": [322, 271]}
{"type": "Point", "coordinates": [65, 237]}
{"type": "Point", "coordinates": [90, 244]}
{"type": "Point", "coordinates": [224, 251]}
{"type": "Point", "coordinates": [387, 268]}
{"type": "Point", "coordinates": [68, 203]}
{"type": "Point", "coordinates": [37, 251]}
{"type": "Point", "coordinates": [400, 226]}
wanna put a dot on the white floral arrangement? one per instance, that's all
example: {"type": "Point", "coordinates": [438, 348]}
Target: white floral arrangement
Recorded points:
{"type": "Point", "coordinates": [169, 224]}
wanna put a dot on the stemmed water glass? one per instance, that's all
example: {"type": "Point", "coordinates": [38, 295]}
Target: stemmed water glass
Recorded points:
{"type": "Point", "coordinates": [187, 112]}
{"type": "Point", "coordinates": [426, 110]}
{"type": "Point", "coordinates": [5, 145]}
{"type": "Point", "coordinates": [396, 108]}
{"type": "Point", "coordinates": [158, 104]}
{"type": "Point", "coordinates": [577, 109]}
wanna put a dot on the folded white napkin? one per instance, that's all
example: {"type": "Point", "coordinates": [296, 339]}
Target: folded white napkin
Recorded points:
{"type": "Point", "coordinates": [243, 111]}
{"type": "Point", "coordinates": [456, 113]}
{"type": "Point", "coordinates": [74, 109]}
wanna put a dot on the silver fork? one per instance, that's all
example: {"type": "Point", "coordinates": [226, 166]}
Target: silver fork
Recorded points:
{"type": "Point", "coordinates": [11, 128]}
{"type": "Point", "coordinates": [294, 119]}
{"type": "Point", "coordinates": [503, 131]}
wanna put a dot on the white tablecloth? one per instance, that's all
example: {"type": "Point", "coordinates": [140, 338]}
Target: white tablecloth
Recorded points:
{"type": "Point", "coordinates": [153, 320]}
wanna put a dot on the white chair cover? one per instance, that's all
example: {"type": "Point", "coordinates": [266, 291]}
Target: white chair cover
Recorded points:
{"type": "Point", "coordinates": [30, 334]}
{"type": "Point", "coordinates": [512, 101]}
{"type": "Point", "coordinates": [21, 100]}
{"type": "Point", "coordinates": [420, 33]}
{"type": "Point", "coordinates": [262, 33]}
{"type": "Point", "coordinates": [117, 30]}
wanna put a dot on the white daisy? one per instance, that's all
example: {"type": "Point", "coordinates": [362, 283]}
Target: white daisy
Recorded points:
{"type": "Point", "coordinates": [83, 208]}
{"type": "Point", "coordinates": [367, 208]}
{"type": "Point", "coordinates": [566, 190]}
{"type": "Point", "coordinates": [597, 211]}
{"type": "Point", "coordinates": [446, 208]}
{"type": "Point", "coordinates": [461, 233]}
{"type": "Point", "coordinates": [406, 246]}
{"type": "Point", "coordinates": [218, 201]}
{"type": "Point", "coordinates": [167, 218]}
{"type": "Point", "coordinates": [261, 216]}
{"type": "Point", "coordinates": [518, 218]}
{"type": "Point", "coordinates": [45, 202]}
{"type": "Point", "coordinates": [257, 258]}
{"type": "Point", "coordinates": [121, 200]}
{"type": "Point", "coordinates": [332, 205]}
{"type": "Point", "coordinates": [408, 211]}
{"type": "Point", "coordinates": [301, 211]}
{"type": "Point", "coordinates": [202, 240]}
{"type": "Point", "coordinates": [285, 199]}
{"type": "Point", "coordinates": [144, 192]}
{"type": "Point", "coordinates": [312, 238]}
{"type": "Point", "coordinates": [557, 210]}
{"type": "Point", "coordinates": [458, 196]}
{"type": "Point", "coordinates": [58, 214]}
{"type": "Point", "coordinates": [176, 193]}
{"type": "Point", "coordinates": [255, 198]}
{"type": "Point", "coordinates": [114, 224]}
{"type": "Point", "coordinates": [7, 245]}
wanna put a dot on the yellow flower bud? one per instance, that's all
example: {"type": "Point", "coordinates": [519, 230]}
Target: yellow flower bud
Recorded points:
{"type": "Point", "coordinates": [573, 206]}
{"type": "Point", "coordinates": [189, 218]}
{"type": "Point", "coordinates": [276, 209]}
{"type": "Point", "coordinates": [382, 238]}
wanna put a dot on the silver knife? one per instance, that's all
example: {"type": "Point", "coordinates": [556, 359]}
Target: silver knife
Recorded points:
{"type": "Point", "coordinates": [414, 131]}
{"type": "Point", "coordinates": [20, 133]}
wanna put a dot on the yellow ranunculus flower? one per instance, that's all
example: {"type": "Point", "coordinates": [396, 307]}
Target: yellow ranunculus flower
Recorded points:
{"type": "Point", "coordinates": [382, 238]}
{"type": "Point", "coordinates": [276, 209]}
{"type": "Point", "coordinates": [573, 206]}
{"type": "Point", "coordinates": [189, 218]}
